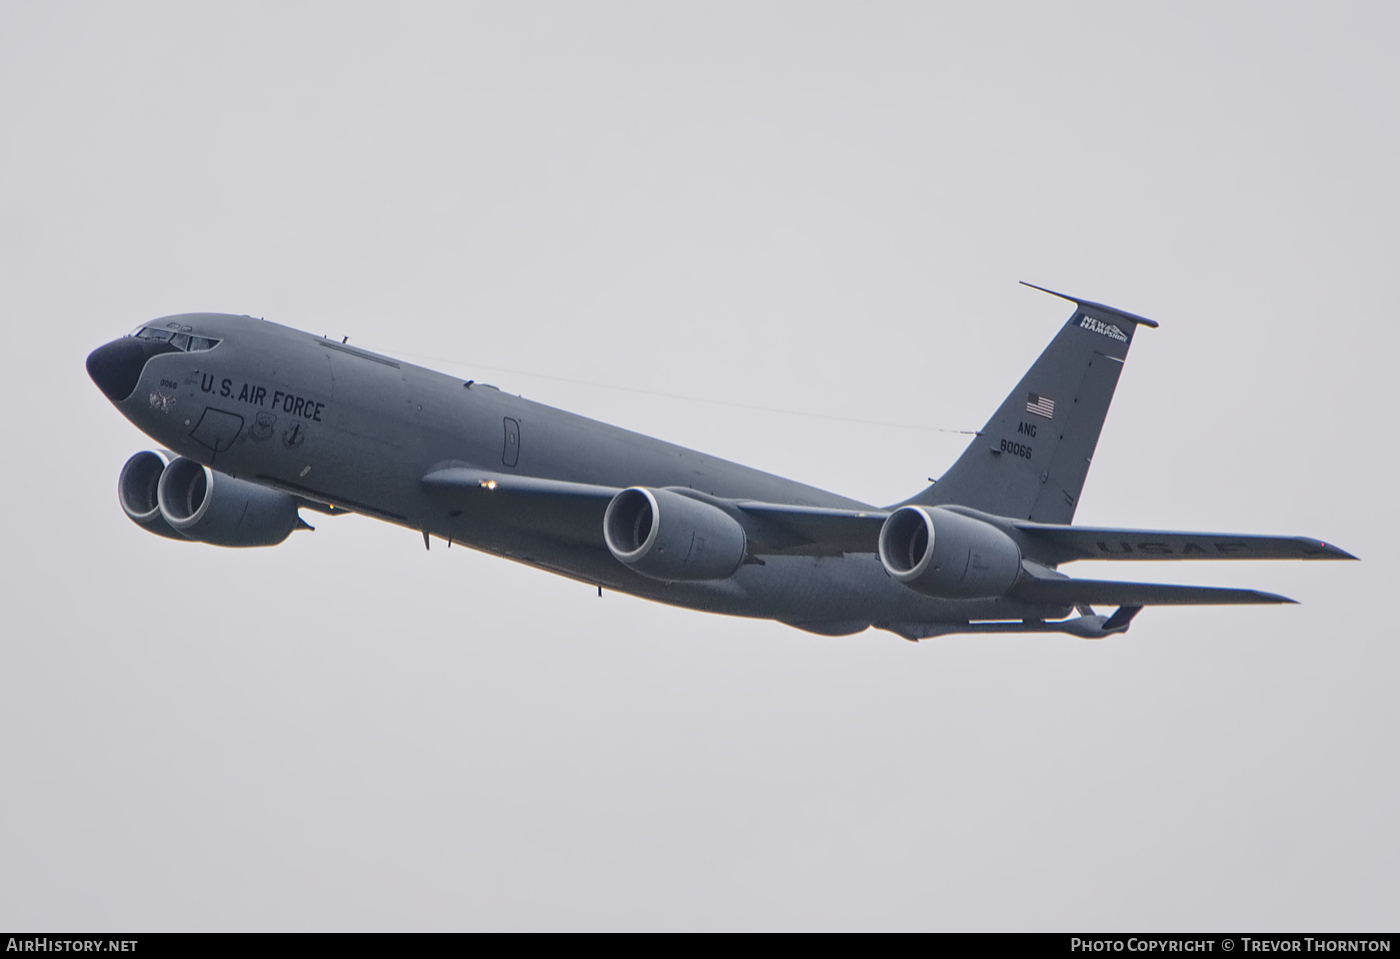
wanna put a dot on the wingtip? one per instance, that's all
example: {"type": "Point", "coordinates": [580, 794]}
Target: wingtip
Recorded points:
{"type": "Point", "coordinates": [1318, 549]}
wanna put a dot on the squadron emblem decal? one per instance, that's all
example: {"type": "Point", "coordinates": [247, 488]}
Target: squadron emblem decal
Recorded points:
{"type": "Point", "coordinates": [293, 436]}
{"type": "Point", "coordinates": [262, 427]}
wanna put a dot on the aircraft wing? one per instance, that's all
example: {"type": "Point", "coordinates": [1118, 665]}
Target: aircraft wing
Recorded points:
{"type": "Point", "coordinates": [1063, 544]}
{"type": "Point", "coordinates": [858, 531]}
{"type": "Point", "coordinates": [570, 512]}
{"type": "Point", "coordinates": [814, 528]}
{"type": "Point", "coordinates": [573, 512]}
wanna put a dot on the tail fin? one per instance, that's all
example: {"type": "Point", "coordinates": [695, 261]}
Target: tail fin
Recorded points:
{"type": "Point", "coordinates": [1031, 459]}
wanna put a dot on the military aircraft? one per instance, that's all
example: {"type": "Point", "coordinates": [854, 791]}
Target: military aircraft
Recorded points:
{"type": "Point", "coordinates": [257, 421]}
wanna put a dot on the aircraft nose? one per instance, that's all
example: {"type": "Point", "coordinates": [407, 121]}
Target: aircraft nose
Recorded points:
{"type": "Point", "coordinates": [116, 368]}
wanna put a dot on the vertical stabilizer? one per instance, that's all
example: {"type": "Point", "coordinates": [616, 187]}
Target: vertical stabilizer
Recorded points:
{"type": "Point", "coordinates": [1032, 457]}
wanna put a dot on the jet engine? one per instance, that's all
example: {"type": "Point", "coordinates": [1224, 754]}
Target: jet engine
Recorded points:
{"type": "Point", "coordinates": [671, 537]}
{"type": "Point", "coordinates": [136, 490]}
{"type": "Point", "coordinates": [212, 507]}
{"type": "Point", "coordinates": [940, 553]}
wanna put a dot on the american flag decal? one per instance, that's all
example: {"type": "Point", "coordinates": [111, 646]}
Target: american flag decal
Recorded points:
{"type": "Point", "coordinates": [1040, 405]}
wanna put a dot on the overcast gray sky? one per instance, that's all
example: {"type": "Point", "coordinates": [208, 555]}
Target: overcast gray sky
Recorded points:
{"type": "Point", "coordinates": [815, 206]}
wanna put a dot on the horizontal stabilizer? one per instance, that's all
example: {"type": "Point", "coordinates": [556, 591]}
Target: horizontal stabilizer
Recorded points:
{"type": "Point", "coordinates": [1052, 544]}
{"type": "Point", "coordinates": [1070, 592]}
{"type": "Point", "coordinates": [1096, 307]}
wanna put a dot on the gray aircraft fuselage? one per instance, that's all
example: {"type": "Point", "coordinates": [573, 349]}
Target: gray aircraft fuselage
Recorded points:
{"type": "Point", "coordinates": [264, 420]}
{"type": "Point", "coordinates": [345, 427]}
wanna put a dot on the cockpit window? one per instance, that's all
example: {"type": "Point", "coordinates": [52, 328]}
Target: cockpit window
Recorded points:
{"type": "Point", "coordinates": [180, 340]}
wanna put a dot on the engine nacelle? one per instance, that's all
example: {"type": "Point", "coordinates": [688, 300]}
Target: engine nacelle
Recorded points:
{"type": "Point", "coordinates": [945, 554]}
{"type": "Point", "coordinates": [136, 491]}
{"type": "Point", "coordinates": [213, 507]}
{"type": "Point", "coordinates": [671, 537]}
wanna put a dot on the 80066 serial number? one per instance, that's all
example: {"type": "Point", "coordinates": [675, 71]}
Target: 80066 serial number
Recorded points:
{"type": "Point", "coordinates": [1016, 449]}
